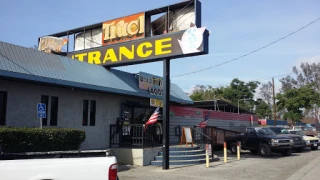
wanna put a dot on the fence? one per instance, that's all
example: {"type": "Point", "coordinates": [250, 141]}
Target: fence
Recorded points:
{"type": "Point", "coordinates": [209, 135]}
{"type": "Point", "coordinates": [135, 135]}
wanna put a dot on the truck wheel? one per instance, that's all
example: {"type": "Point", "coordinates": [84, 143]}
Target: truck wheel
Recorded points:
{"type": "Point", "coordinates": [254, 151]}
{"type": "Point", "coordinates": [314, 148]}
{"type": "Point", "coordinates": [264, 150]}
{"type": "Point", "coordinates": [287, 152]}
{"type": "Point", "coordinates": [233, 148]}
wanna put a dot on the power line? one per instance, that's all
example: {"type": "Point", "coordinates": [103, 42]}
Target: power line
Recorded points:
{"type": "Point", "coordinates": [258, 79]}
{"type": "Point", "coordinates": [254, 51]}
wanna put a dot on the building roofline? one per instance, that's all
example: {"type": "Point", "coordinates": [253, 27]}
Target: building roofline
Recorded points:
{"type": "Point", "coordinates": [82, 86]}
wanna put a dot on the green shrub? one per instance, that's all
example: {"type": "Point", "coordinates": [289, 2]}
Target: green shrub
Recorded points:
{"type": "Point", "coordinates": [16, 140]}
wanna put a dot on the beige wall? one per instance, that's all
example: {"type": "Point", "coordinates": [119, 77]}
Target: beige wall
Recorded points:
{"type": "Point", "coordinates": [141, 157]}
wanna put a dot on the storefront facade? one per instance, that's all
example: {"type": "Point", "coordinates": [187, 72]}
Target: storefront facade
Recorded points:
{"type": "Point", "coordinates": [78, 95]}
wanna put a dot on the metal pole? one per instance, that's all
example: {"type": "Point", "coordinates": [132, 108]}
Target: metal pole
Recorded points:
{"type": "Point", "coordinates": [166, 106]}
{"type": "Point", "coordinates": [274, 104]}
{"type": "Point", "coordinates": [166, 102]}
{"type": "Point", "coordinates": [238, 106]}
{"type": "Point", "coordinates": [40, 123]}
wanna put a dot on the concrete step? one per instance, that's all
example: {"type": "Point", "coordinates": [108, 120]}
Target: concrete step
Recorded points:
{"type": "Point", "coordinates": [181, 153]}
{"type": "Point", "coordinates": [180, 162]}
{"type": "Point", "coordinates": [183, 148]}
{"type": "Point", "coordinates": [183, 157]}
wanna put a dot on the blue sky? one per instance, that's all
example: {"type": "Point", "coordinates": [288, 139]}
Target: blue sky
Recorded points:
{"type": "Point", "coordinates": [237, 27]}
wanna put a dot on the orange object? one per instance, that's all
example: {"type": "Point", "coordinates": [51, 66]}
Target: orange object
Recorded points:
{"type": "Point", "coordinates": [123, 29]}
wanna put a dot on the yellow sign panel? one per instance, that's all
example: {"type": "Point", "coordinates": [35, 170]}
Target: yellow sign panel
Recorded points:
{"type": "Point", "coordinates": [156, 102]}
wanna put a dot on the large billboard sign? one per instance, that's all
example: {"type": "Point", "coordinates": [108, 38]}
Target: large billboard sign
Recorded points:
{"type": "Point", "coordinates": [123, 29]}
{"type": "Point", "coordinates": [190, 42]}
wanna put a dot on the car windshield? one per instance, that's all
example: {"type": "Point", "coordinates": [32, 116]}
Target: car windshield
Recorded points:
{"type": "Point", "coordinates": [297, 133]}
{"type": "Point", "coordinates": [280, 130]}
{"type": "Point", "coordinates": [264, 131]}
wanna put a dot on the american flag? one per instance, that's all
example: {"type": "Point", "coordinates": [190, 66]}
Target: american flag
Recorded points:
{"type": "Point", "coordinates": [153, 118]}
{"type": "Point", "coordinates": [204, 123]}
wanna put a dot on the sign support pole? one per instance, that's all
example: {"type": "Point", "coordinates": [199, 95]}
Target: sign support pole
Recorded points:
{"type": "Point", "coordinates": [166, 106]}
{"type": "Point", "coordinates": [40, 123]}
{"type": "Point", "coordinates": [166, 114]}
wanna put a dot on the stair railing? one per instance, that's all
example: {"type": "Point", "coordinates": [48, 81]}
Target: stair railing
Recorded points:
{"type": "Point", "coordinates": [201, 139]}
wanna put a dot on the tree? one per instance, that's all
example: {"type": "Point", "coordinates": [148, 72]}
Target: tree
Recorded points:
{"type": "Point", "coordinates": [263, 110]}
{"type": "Point", "coordinates": [295, 100]}
{"type": "Point", "coordinates": [198, 93]}
{"type": "Point", "coordinates": [266, 92]}
{"type": "Point", "coordinates": [238, 90]}
{"type": "Point", "coordinates": [309, 73]}
{"type": "Point", "coordinates": [235, 91]}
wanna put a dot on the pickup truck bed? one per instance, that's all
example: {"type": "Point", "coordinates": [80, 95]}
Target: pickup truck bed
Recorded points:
{"type": "Point", "coordinates": [75, 168]}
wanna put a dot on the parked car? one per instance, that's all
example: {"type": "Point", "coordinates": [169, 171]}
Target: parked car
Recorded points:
{"type": "Point", "coordinates": [261, 140]}
{"type": "Point", "coordinates": [311, 141]}
{"type": "Point", "coordinates": [299, 142]}
{"type": "Point", "coordinates": [307, 130]}
{"type": "Point", "coordinates": [79, 165]}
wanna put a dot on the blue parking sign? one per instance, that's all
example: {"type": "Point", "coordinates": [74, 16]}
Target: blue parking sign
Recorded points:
{"type": "Point", "coordinates": [41, 110]}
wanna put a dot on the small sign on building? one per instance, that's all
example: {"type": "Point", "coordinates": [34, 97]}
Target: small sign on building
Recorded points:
{"type": "Point", "coordinates": [41, 110]}
{"type": "Point", "coordinates": [156, 102]}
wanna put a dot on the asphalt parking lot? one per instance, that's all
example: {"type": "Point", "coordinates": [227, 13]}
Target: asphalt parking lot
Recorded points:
{"type": "Point", "coordinates": [305, 165]}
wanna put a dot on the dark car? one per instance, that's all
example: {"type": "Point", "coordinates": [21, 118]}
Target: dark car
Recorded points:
{"type": "Point", "coordinates": [261, 140]}
{"type": "Point", "coordinates": [299, 143]}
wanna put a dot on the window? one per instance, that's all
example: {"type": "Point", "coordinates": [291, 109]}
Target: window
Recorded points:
{"type": "Point", "coordinates": [85, 112]}
{"type": "Point", "coordinates": [250, 131]}
{"type": "Point", "coordinates": [54, 111]}
{"type": "Point", "coordinates": [3, 107]}
{"type": "Point", "coordinates": [92, 113]}
{"type": "Point", "coordinates": [45, 100]}
{"type": "Point", "coordinates": [89, 113]}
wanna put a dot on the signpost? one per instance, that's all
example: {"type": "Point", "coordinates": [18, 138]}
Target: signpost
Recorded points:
{"type": "Point", "coordinates": [136, 39]}
{"type": "Point", "coordinates": [41, 109]}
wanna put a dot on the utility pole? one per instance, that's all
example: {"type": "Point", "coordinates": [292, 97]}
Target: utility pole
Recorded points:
{"type": "Point", "coordinates": [274, 104]}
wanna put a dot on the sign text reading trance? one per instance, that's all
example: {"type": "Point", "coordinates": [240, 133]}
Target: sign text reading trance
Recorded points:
{"type": "Point", "coordinates": [134, 51]}
{"type": "Point", "coordinates": [137, 51]}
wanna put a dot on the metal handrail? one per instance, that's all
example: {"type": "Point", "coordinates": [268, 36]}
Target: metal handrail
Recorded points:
{"type": "Point", "coordinates": [201, 133]}
{"type": "Point", "coordinates": [135, 135]}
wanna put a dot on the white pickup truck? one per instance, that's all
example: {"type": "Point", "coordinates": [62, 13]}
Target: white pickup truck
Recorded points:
{"type": "Point", "coordinates": [65, 165]}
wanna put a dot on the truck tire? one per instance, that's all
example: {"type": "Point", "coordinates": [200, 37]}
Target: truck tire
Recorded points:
{"type": "Point", "coordinates": [287, 152]}
{"type": "Point", "coordinates": [314, 148]}
{"type": "Point", "coordinates": [264, 150]}
{"type": "Point", "coordinates": [233, 148]}
{"type": "Point", "coordinates": [254, 151]}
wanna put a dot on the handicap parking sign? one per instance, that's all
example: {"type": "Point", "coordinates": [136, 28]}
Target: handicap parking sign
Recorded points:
{"type": "Point", "coordinates": [41, 110]}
